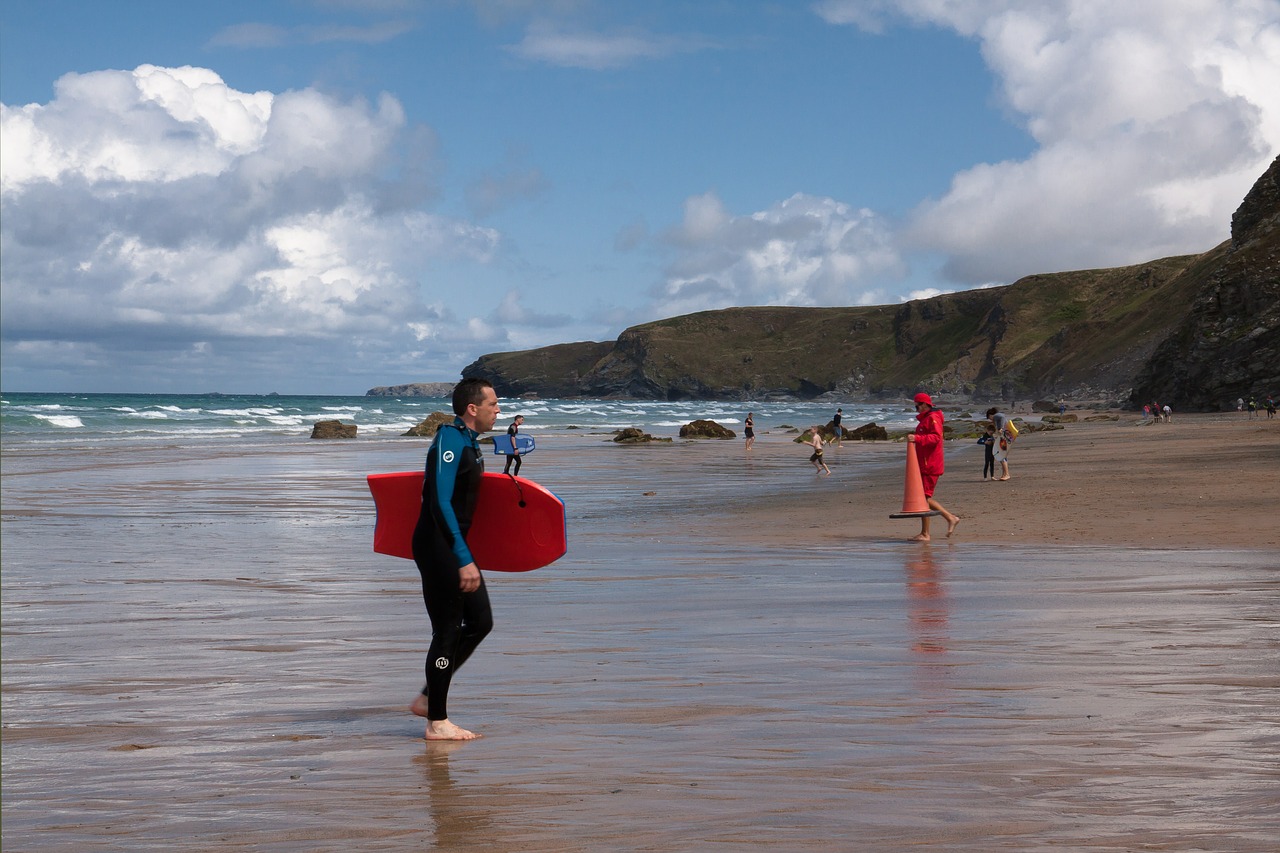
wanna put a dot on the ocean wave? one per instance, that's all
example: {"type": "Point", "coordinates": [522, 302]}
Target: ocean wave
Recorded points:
{"type": "Point", "coordinates": [63, 421]}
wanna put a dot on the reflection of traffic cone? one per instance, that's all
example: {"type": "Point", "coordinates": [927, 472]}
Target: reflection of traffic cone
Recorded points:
{"type": "Point", "coordinates": [914, 504]}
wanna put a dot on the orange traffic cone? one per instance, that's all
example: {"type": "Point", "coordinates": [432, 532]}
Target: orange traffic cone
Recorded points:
{"type": "Point", "coordinates": [914, 504]}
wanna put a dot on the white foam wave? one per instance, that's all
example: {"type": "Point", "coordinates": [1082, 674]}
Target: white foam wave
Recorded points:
{"type": "Point", "coordinates": [64, 421]}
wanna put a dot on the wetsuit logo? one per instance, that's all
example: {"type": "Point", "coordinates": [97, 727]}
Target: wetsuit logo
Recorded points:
{"type": "Point", "coordinates": [448, 456]}
{"type": "Point", "coordinates": [442, 663]}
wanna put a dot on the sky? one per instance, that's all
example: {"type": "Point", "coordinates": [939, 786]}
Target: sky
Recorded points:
{"type": "Point", "coordinates": [322, 196]}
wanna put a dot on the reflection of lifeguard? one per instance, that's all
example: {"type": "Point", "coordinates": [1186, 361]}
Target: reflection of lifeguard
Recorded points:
{"type": "Point", "coordinates": [926, 605]}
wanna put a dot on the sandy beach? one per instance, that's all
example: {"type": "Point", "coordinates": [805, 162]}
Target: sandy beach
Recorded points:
{"type": "Point", "coordinates": [1200, 481]}
{"type": "Point", "coordinates": [200, 651]}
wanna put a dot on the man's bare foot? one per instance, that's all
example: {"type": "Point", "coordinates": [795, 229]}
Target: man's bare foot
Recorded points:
{"type": "Point", "coordinates": [418, 707]}
{"type": "Point", "coordinates": [951, 526]}
{"type": "Point", "coordinates": [920, 537]}
{"type": "Point", "coordinates": [1002, 479]}
{"type": "Point", "coordinates": [445, 730]}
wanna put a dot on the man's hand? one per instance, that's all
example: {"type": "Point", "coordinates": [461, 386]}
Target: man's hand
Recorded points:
{"type": "Point", "coordinates": [469, 578]}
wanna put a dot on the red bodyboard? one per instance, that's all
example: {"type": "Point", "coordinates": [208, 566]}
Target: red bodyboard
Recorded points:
{"type": "Point", "coordinates": [518, 525]}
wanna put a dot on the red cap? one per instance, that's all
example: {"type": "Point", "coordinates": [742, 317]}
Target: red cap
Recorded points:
{"type": "Point", "coordinates": [924, 398]}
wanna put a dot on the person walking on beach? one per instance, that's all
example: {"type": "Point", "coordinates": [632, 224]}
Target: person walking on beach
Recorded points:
{"type": "Point", "coordinates": [988, 442]}
{"type": "Point", "coordinates": [749, 430]}
{"type": "Point", "coordinates": [1000, 421]}
{"type": "Point", "coordinates": [1271, 407]}
{"type": "Point", "coordinates": [452, 587]}
{"type": "Point", "coordinates": [838, 438]}
{"type": "Point", "coordinates": [816, 443]}
{"type": "Point", "coordinates": [929, 453]}
{"type": "Point", "coordinates": [513, 431]}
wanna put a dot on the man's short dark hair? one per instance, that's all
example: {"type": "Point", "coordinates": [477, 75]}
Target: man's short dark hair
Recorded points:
{"type": "Point", "coordinates": [469, 391]}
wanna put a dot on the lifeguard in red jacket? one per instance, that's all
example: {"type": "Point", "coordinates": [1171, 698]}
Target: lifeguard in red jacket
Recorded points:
{"type": "Point", "coordinates": [928, 442]}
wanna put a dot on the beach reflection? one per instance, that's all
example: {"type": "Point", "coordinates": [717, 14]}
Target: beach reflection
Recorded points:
{"type": "Point", "coordinates": [928, 618]}
{"type": "Point", "coordinates": [462, 819]}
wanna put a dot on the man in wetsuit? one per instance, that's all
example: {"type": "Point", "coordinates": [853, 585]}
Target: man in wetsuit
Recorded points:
{"type": "Point", "coordinates": [452, 586]}
{"type": "Point", "coordinates": [514, 431]}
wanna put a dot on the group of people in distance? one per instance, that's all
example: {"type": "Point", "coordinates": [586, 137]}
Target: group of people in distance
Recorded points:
{"type": "Point", "coordinates": [1154, 413]}
{"type": "Point", "coordinates": [453, 587]}
{"type": "Point", "coordinates": [1252, 406]}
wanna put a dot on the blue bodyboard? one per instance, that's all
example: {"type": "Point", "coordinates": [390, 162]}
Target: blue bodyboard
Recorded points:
{"type": "Point", "coordinates": [502, 444]}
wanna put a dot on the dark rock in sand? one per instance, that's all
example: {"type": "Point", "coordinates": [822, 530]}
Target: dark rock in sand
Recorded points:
{"type": "Point", "coordinates": [632, 435]}
{"type": "Point", "coordinates": [867, 432]}
{"type": "Point", "coordinates": [429, 425]}
{"type": "Point", "coordinates": [333, 429]}
{"type": "Point", "coordinates": [705, 429]}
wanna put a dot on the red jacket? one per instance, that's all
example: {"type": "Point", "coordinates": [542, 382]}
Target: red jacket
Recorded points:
{"type": "Point", "coordinates": [929, 442]}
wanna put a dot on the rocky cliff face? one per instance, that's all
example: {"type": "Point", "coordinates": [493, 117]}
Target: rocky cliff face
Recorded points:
{"type": "Point", "coordinates": [1228, 345]}
{"type": "Point", "coordinates": [1194, 330]}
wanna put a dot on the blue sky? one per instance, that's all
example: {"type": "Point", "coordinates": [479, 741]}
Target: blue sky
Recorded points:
{"type": "Point", "coordinates": [319, 196]}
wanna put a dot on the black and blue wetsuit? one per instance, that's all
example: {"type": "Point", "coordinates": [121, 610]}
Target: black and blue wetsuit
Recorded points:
{"type": "Point", "coordinates": [513, 431]}
{"type": "Point", "coordinates": [459, 620]}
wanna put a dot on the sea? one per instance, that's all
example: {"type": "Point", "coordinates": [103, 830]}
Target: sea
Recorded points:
{"type": "Point", "coordinates": [57, 418]}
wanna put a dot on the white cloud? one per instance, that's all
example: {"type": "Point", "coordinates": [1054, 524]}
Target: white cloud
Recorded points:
{"type": "Point", "coordinates": [802, 251]}
{"type": "Point", "coordinates": [1152, 118]}
{"type": "Point", "coordinates": [159, 214]}
{"type": "Point", "coordinates": [555, 44]}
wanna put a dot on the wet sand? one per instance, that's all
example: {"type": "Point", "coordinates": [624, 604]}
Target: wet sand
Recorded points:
{"type": "Point", "coordinates": [201, 651]}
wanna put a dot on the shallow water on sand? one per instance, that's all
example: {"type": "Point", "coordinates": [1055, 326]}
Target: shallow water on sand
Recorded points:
{"type": "Point", "coordinates": [201, 650]}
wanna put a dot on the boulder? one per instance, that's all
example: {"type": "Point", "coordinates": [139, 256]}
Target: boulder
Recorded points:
{"type": "Point", "coordinates": [705, 429]}
{"type": "Point", "coordinates": [632, 435]}
{"type": "Point", "coordinates": [333, 429]}
{"type": "Point", "coordinates": [867, 432]}
{"type": "Point", "coordinates": [1042, 426]}
{"type": "Point", "coordinates": [1059, 419]}
{"type": "Point", "coordinates": [429, 425]}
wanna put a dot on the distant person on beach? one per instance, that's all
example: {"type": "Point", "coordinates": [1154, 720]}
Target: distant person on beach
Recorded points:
{"type": "Point", "coordinates": [452, 586]}
{"type": "Point", "coordinates": [988, 442]}
{"type": "Point", "coordinates": [1253, 407]}
{"type": "Point", "coordinates": [749, 430]}
{"type": "Point", "coordinates": [929, 453]}
{"type": "Point", "coordinates": [1168, 413]}
{"type": "Point", "coordinates": [816, 458]}
{"type": "Point", "coordinates": [1240, 405]}
{"type": "Point", "coordinates": [1271, 407]}
{"type": "Point", "coordinates": [1000, 421]}
{"type": "Point", "coordinates": [838, 438]}
{"type": "Point", "coordinates": [513, 431]}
